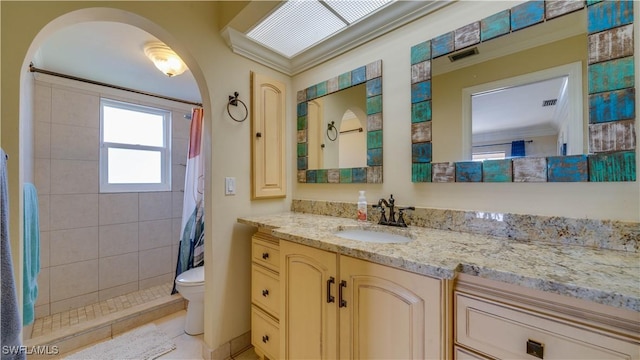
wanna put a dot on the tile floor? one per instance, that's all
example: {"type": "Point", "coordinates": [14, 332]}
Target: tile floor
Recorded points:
{"type": "Point", "coordinates": [48, 324]}
{"type": "Point", "coordinates": [187, 347]}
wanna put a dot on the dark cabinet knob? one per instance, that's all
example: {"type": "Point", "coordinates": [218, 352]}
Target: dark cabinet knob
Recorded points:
{"type": "Point", "coordinates": [265, 338]}
{"type": "Point", "coordinates": [265, 256]}
{"type": "Point", "coordinates": [265, 292]}
{"type": "Point", "coordinates": [258, 134]}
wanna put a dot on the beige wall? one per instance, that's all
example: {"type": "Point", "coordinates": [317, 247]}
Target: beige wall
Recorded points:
{"type": "Point", "coordinates": [618, 201]}
{"type": "Point", "coordinates": [190, 28]}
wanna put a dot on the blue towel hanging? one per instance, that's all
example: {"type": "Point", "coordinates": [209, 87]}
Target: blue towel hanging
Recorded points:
{"type": "Point", "coordinates": [10, 324]}
{"type": "Point", "coordinates": [517, 148]}
{"type": "Point", "coordinates": [31, 253]}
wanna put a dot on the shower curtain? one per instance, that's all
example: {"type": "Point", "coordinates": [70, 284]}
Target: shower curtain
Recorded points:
{"type": "Point", "coordinates": [191, 252]}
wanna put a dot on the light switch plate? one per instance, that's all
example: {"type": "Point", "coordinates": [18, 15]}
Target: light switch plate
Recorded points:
{"type": "Point", "coordinates": [229, 186]}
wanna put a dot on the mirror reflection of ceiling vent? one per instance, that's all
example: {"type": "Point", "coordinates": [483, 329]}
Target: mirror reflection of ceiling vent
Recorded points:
{"type": "Point", "coordinates": [550, 102]}
{"type": "Point", "coordinates": [464, 54]}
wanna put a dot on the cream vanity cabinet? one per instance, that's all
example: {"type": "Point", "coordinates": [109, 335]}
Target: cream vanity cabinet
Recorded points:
{"type": "Point", "coordinates": [498, 321]}
{"type": "Point", "coordinates": [265, 295]}
{"type": "Point", "coordinates": [334, 306]}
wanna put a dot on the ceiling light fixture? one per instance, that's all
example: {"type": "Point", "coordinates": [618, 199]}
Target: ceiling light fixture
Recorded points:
{"type": "Point", "coordinates": [165, 59]}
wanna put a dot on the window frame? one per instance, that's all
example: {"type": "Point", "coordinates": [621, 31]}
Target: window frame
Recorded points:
{"type": "Point", "coordinates": [165, 151]}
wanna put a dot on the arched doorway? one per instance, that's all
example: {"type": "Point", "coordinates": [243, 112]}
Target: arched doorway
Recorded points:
{"type": "Point", "coordinates": [26, 151]}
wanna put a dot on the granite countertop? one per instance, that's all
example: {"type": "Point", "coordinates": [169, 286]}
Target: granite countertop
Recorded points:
{"type": "Point", "coordinates": [603, 276]}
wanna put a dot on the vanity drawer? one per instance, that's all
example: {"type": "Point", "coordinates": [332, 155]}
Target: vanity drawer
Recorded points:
{"type": "Point", "coordinates": [504, 331]}
{"type": "Point", "coordinates": [265, 253]}
{"type": "Point", "coordinates": [464, 354]}
{"type": "Point", "coordinates": [265, 289]}
{"type": "Point", "coordinates": [265, 333]}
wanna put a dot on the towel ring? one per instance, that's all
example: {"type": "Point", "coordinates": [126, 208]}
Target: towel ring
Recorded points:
{"type": "Point", "coordinates": [233, 100]}
{"type": "Point", "coordinates": [331, 128]}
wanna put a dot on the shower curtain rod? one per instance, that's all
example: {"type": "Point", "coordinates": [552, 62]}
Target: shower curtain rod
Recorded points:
{"type": "Point", "coordinates": [71, 77]}
{"type": "Point", "coordinates": [527, 141]}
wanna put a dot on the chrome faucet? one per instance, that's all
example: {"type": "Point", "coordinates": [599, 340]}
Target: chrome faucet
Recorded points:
{"type": "Point", "coordinates": [390, 204]}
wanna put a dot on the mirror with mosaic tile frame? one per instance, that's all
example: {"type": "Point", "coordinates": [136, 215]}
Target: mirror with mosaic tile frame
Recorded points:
{"type": "Point", "coordinates": [369, 76]}
{"type": "Point", "coordinates": [610, 93]}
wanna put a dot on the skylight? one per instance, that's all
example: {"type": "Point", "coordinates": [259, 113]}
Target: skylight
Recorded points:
{"type": "Point", "coordinates": [298, 24]}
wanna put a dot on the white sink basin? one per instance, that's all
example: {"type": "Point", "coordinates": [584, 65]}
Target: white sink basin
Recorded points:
{"type": "Point", "coordinates": [373, 236]}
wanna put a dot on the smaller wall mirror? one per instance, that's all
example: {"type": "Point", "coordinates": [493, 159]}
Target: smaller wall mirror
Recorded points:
{"type": "Point", "coordinates": [339, 123]}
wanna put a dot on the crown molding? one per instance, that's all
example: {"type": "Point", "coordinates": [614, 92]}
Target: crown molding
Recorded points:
{"type": "Point", "coordinates": [392, 17]}
{"type": "Point", "coordinates": [244, 46]}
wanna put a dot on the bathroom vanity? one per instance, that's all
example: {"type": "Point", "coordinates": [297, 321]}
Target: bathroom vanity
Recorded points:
{"type": "Point", "coordinates": [336, 306]}
{"type": "Point", "coordinates": [442, 295]}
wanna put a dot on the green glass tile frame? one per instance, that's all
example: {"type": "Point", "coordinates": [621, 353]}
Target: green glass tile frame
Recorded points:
{"type": "Point", "coordinates": [612, 166]}
{"type": "Point", "coordinates": [373, 81]}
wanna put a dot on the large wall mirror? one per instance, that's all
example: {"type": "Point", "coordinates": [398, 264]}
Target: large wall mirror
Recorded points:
{"type": "Point", "coordinates": [541, 92]}
{"type": "Point", "coordinates": [339, 123]}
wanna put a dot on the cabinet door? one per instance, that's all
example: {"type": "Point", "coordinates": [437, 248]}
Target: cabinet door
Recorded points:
{"type": "Point", "coordinates": [390, 313]}
{"type": "Point", "coordinates": [268, 137]}
{"type": "Point", "coordinates": [308, 318]}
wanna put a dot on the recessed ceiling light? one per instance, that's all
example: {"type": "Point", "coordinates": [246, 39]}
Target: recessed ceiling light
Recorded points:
{"type": "Point", "coordinates": [299, 24]}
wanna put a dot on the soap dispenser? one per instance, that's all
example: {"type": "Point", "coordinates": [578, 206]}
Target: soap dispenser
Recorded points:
{"type": "Point", "coordinates": [362, 207]}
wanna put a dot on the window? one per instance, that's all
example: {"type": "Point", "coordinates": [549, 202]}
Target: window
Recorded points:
{"type": "Point", "coordinates": [135, 151]}
{"type": "Point", "coordinates": [494, 155]}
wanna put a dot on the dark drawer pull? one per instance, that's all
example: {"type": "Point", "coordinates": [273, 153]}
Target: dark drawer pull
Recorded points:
{"type": "Point", "coordinates": [265, 255]}
{"type": "Point", "coordinates": [265, 292]}
{"type": "Point", "coordinates": [330, 298]}
{"type": "Point", "coordinates": [265, 338]}
{"type": "Point", "coordinates": [342, 302]}
{"type": "Point", "coordinates": [535, 348]}
{"type": "Point", "coordinates": [258, 134]}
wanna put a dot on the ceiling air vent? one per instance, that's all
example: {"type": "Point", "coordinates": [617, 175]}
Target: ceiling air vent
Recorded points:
{"type": "Point", "coordinates": [549, 102]}
{"type": "Point", "coordinates": [463, 54]}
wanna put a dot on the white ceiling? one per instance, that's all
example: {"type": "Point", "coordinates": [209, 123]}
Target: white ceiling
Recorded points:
{"type": "Point", "coordinates": [519, 107]}
{"type": "Point", "coordinates": [112, 53]}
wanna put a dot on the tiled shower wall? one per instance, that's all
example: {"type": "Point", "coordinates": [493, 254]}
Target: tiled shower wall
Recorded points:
{"type": "Point", "coordinates": [96, 246]}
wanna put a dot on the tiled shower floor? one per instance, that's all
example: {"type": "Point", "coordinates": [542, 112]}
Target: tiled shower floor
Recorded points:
{"type": "Point", "coordinates": [59, 321]}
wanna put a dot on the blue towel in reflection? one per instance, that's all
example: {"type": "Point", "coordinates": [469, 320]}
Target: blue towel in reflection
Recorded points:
{"type": "Point", "coordinates": [517, 148]}
{"type": "Point", "coordinates": [31, 253]}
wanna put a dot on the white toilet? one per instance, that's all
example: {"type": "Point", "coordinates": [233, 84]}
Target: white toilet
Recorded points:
{"type": "Point", "coordinates": [190, 284]}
